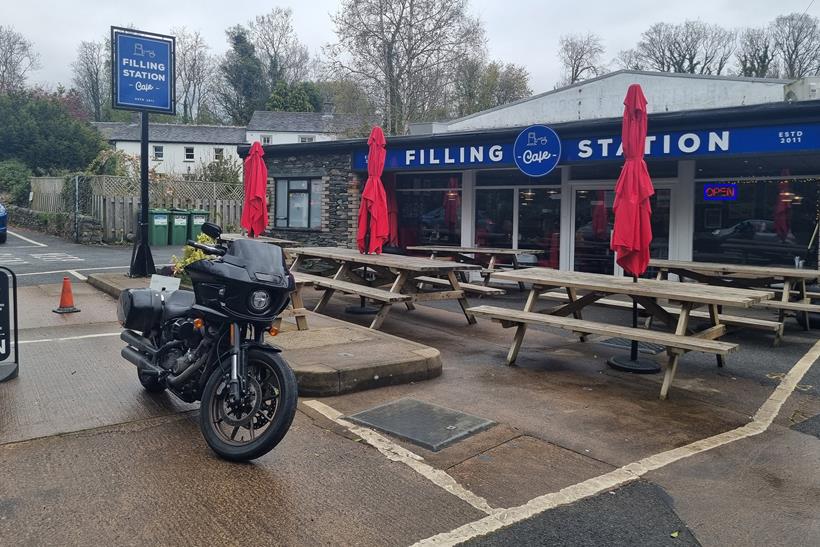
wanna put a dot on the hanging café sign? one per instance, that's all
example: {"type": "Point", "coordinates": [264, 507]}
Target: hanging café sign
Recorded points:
{"type": "Point", "coordinates": [493, 152]}
{"type": "Point", "coordinates": [142, 71]}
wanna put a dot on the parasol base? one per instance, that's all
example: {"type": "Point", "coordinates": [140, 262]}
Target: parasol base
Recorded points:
{"type": "Point", "coordinates": [639, 366]}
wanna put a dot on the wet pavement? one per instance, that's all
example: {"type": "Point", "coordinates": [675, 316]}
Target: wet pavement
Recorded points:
{"type": "Point", "coordinates": [94, 460]}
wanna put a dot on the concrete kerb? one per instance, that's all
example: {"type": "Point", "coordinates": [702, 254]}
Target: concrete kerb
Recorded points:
{"type": "Point", "coordinates": [332, 357]}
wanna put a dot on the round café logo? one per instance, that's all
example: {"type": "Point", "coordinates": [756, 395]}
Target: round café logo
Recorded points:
{"type": "Point", "coordinates": [537, 150]}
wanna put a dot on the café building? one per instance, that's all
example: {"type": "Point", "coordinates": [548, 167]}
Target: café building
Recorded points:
{"type": "Point", "coordinates": [734, 185]}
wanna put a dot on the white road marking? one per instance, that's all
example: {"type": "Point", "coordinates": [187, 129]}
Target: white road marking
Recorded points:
{"type": "Point", "coordinates": [397, 453]}
{"type": "Point", "coordinates": [83, 270]}
{"type": "Point", "coordinates": [761, 421]}
{"type": "Point", "coordinates": [78, 275]}
{"type": "Point", "coordinates": [69, 338]}
{"type": "Point", "coordinates": [37, 243]}
{"type": "Point", "coordinates": [57, 257]}
{"type": "Point", "coordinates": [8, 259]}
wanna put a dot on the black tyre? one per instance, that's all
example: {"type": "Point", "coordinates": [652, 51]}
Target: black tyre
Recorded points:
{"type": "Point", "coordinates": [150, 382]}
{"type": "Point", "coordinates": [250, 430]}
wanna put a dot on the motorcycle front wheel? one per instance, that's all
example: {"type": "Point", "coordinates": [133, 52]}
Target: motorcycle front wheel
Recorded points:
{"type": "Point", "coordinates": [248, 429]}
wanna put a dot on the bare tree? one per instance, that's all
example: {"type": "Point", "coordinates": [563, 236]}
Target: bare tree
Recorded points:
{"type": "Point", "coordinates": [91, 77]}
{"type": "Point", "coordinates": [797, 41]}
{"type": "Point", "coordinates": [283, 55]}
{"type": "Point", "coordinates": [480, 85]}
{"type": "Point", "coordinates": [629, 59]}
{"type": "Point", "coordinates": [655, 45]}
{"type": "Point", "coordinates": [580, 56]}
{"type": "Point", "coordinates": [692, 47]}
{"type": "Point", "coordinates": [405, 52]}
{"type": "Point", "coordinates": [756, 55]}
{"type": "Point", "coordinates": [17, 58]}
{"type": "Point", "coordinates": [195, 70]}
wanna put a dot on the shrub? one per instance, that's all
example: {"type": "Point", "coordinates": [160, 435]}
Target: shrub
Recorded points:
{"type": "Point", "coordinates": [15, 180]}
{"type": "Point", "coordinates": [189, 256]}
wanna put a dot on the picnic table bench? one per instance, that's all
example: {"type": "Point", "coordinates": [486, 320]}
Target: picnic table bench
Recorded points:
{"type": "Point", "coordinates": [400, 273]}
{"type": "Point", "coordinates": [792, 297]}
{"type": "Point", "coordinates": [264, 239]}
{"type": "Point", "coordinates": [488, 257]}
{"type": "Point", "coordinates": [681, 339]}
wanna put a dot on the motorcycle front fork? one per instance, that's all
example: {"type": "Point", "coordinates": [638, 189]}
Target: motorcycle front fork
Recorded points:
{"type": "Point", "coordinates": [238, 364]}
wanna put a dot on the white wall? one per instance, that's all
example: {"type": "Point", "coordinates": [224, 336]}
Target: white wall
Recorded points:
{"type": "Point", "coordinates": [287, 137]}
{"type": "Point", "coordinates": [173, 161]}
{"type": "Point", "coordinates": [603, 98]}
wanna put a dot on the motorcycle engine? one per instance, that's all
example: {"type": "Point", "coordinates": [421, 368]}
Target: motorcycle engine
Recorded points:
{"type": "Point", "coordinates": [170, 359]}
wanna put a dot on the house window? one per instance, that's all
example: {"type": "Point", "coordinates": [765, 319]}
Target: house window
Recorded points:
{"type": "Point", "coordinates": [219, 154]}
{"type": "Point", "coordinates": [189, 153]}
{"type": "Point", "coordinates": [306, 138]}
{"type": "Point", "coordinates": [159, 152]}
{"type": "Point", "coordinates": [265, 139]}
{"type": "Point", "coordinates": [298, 203]}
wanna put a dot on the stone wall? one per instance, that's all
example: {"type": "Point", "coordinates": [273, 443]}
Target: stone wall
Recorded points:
{"type": "Point", "coordinates": [58, 224]}
{"type": "Point", "coordinates": [340, 196]}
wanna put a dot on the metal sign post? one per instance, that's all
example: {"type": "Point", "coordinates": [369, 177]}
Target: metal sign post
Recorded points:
{"type": "Point", "coordinates": [8, 324]}
{"type": "Point", "coordinates": [143, 76]}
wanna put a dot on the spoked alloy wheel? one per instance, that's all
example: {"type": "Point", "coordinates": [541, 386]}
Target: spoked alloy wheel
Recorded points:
{"type": "Point", "coordinates": [247, 429]}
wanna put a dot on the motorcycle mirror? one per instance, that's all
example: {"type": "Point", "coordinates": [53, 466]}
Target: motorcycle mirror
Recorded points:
{"type": "Point", "coordinates": [211, 230]}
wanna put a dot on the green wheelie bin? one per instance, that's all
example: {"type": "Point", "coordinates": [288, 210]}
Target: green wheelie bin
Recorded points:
{"type": "Point", "coordinates": [158, 222]}
{"type": "Point", "coordinates": [178, 232]}
{"type": "Point", "coordinates": [198, 217]}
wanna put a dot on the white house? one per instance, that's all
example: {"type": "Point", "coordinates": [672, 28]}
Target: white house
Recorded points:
{"type": "Point", "coordinates": [176, 148]}
{"type": "Point", "coordinates": [603, 97]}
{"type": "Point", "coordinates": [299, 127]}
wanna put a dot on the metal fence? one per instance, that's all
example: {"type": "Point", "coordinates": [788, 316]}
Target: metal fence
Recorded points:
{"type": "Point", "coordinates": [115, 201]}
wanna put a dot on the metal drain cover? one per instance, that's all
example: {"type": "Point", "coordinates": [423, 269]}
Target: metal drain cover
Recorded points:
{"type": "Point", "coordinates": [643, 347]}
{"type": "Point", "coordinates": [430, 426]}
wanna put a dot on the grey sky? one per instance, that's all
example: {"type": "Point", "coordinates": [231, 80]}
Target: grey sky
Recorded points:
{"type": "Point", "coordinates": [520, 31]}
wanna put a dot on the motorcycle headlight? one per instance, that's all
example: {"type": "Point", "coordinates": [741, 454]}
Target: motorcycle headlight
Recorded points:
{"type": "Point", "coordinates": [260, 300]}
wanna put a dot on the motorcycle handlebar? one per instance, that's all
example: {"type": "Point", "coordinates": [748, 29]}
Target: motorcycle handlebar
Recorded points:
{"type": "Point", "coordinates": [218, 251]}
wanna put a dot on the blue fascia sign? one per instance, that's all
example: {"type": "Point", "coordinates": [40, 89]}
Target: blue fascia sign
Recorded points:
{"type": "Point", "coordinates": [143, 73]}
{"type": "Point", "coordinates": [698, 143]}
{"type": "Point", "coordinates": [536, 150]}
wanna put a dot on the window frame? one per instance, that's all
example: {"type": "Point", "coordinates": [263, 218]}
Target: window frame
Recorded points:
{"type": "Point", "coordinates": [308, 191]}
{"type": "Point", "coordinates": [219, 154]}
{"type": "Point", "coordinates": [266, 139]}
{"type": "Point", "coordinates": [158, 148]}
{"type": "Point", "coordinates": [185, 153]}
{"type": "Point", "coordinates": [304, 139]}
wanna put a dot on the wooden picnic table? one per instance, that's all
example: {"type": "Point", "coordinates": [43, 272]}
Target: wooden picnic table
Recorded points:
{"type": "Point", "coordinates": [471, 255]}
{"type": "Point", "coordinates": [264, 239]}
{"type": "Point", "coordinates": [682, 297]}
{"type": "Point", "coordinates": [793, 296]}
{"type": "Point", "coordinates": [401, 273]}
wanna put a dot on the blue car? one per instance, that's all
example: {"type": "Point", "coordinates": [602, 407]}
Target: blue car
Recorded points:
{"type": "Point", "coordinates": [4, 216]}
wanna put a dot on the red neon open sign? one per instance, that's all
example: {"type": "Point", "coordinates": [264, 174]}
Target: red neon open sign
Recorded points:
{"type": "Point", "coordinates": [720, 192]}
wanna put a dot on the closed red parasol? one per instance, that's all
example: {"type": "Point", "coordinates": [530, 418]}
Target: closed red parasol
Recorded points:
{"type": "Point", "coordinates": [373, 218]}
{"type": "Point", "coordinates": [633, 231]}
{"type": "Point", "coordinates": [255, 207]}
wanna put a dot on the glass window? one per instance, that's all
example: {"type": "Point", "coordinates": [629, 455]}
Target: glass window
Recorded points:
{"type": "Point", "coordinates": [219, 154]}
{"type": "Point", "coordinates": [189, 153]}
{"type": "Point", "coordinates": [539, 224]}
{"type": "Point", "coordinates": [429, 208]}
{"type": "Point", "coordinates": [494, 218]}
{"type": "Point", "coordinates": [266, 139]}
{"type": "Point", "coordinates": [159, 152]}
{"type": "Point", "coordinates": [306, 138]}
{"type": "Point", "coordinates": [298, 203]}
{"type": "Point", "coordinates": [594, 221]}
{"type": "Point", "coordinates": [757, 222]}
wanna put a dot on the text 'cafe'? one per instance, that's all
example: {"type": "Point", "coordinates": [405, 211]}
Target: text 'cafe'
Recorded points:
{"type": "Point", "coordinates": [737, 185]}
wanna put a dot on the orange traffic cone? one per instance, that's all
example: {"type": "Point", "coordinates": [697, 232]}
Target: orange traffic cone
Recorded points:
{"type": "Point", "coordinates": [66, 299]}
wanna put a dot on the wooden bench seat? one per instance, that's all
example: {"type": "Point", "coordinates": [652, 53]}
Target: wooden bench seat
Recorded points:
{"type": "Point", "coordinates": [734, 320]}
{"type": "Point", "coordinates": [349, 287]}
{"type": "Point", "coordinates": [468, 287]}
{"type": "Point", "coordinates": [791, 306]}
{"type": "Point", "coordinates": [508, 318]}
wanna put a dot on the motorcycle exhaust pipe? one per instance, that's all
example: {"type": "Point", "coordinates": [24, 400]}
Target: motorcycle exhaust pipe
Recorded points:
{"type": "Point", "coordinates": [141, 360]}
{"type": "Point", "coordinates": [142, 343]}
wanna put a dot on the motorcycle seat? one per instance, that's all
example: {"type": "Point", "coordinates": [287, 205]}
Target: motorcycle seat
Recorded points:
{"type": "Point", "coordinates": [177, 304]}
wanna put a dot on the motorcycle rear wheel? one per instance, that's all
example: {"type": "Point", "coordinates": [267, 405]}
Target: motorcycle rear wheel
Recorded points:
{"type": "Point", "coordinates": [246, 433]}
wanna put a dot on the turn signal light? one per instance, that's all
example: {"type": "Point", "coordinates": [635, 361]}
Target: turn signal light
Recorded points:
{"type": "Point", "coordinates": [273, 331]}
{"type": "Point", "coordinates": [198, 323]}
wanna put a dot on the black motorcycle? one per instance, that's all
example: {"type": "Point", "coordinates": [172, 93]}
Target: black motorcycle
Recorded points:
{"type": "Point", "coordinates": [209, 345]}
